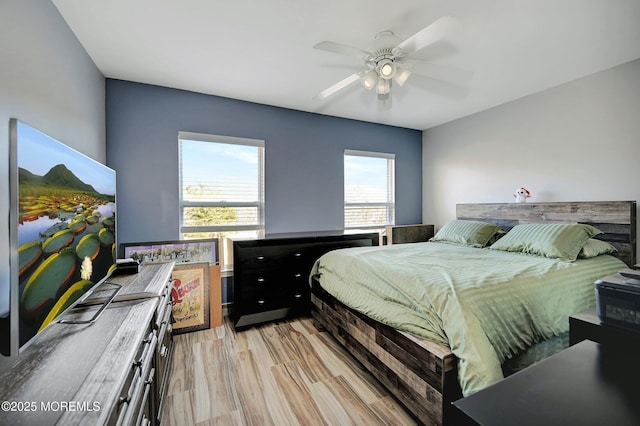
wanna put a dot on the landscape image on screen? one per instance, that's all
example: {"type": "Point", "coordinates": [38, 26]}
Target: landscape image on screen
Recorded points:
{"type": "Point", "coordinates": [66, 227]}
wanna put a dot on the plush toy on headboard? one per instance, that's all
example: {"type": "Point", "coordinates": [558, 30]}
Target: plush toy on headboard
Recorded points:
{"type": "Point", "coordinates": [521, 195]}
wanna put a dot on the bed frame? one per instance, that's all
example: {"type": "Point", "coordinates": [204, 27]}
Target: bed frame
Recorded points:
{"type": "Point", "coordinates": [423, 374]}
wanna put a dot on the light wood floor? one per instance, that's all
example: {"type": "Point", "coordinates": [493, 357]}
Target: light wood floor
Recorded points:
{"type": "Point", "coordinates": [282, 373]}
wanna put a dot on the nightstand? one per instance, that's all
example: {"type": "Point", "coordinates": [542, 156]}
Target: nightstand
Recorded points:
{"type": "Point", "coordinates": [586, 325]}
{"type": "Point", "coordinates": [586, 384]}
{"type": "Point", "coordinates": [400, 234]}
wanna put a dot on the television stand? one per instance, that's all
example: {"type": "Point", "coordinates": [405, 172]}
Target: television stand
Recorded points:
{"type": "Point", "coordinates": [112, 371]}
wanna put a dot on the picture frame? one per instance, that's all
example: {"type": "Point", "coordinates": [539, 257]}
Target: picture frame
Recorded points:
{"type": "Point", "coordinates": [181, 251]}
{"type": "Point", "coordinates": [190, 297]}
{"type": "Point", "coordinates": [184, 252]}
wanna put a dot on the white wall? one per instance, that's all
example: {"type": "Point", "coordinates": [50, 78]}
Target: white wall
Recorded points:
{"type": "Point", "coordinates": [576, 142]}
{"type": "Point", "coordinates": [48, 81]}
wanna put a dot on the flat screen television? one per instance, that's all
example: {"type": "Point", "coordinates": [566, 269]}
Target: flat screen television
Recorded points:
{"type": "Point", "coordinates": [62, 232]}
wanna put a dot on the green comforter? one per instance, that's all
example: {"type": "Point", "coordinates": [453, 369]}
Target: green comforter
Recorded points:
{"type": "Point", "coordinates": [484, 304]}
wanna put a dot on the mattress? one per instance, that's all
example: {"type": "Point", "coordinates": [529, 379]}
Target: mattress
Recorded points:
{"type": "Point", "coordinates": [486, 305]}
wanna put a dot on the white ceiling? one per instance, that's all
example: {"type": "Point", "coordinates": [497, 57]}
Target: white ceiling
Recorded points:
{"type": "Point", "coordinates": [261, 50]}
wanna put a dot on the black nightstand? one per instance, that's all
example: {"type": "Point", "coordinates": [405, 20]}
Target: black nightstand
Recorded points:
{"type": "Point", "coordinates": [587, 384]}
{"type": "Point", "coordinates": [587, 326]}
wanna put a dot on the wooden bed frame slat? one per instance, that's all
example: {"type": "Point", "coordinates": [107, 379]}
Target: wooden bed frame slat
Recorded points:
{"type": "Point", "coordinates": [415, 370]}
{"type": "Point", "coordinates": [423, 374]}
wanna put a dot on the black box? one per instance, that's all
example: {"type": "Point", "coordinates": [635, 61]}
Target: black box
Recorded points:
{"type": "Point", "coordinates": [618, 301]}
{"type": "Point", "coordinates": [126, 266]}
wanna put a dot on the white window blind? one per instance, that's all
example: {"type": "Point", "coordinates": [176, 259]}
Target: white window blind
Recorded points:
{"type": "Point", "coordinates": [369, 190]}
{"type": "Point", "coordinates": [221, 189]}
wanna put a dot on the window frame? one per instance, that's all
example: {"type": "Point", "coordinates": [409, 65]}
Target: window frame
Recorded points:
{"type": "Point", "coordinates": [259, 204]}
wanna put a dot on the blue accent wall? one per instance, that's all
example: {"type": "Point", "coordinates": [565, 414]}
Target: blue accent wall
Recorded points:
{"type": "Point", "coordinates": [303, 158]}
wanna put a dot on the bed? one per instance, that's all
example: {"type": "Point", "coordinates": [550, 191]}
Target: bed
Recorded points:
{"type": "Point", "coordinates": [422, 358]}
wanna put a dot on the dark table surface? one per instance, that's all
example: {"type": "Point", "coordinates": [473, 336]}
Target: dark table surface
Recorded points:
{"type": "Point", "coordinates": [586, 384]}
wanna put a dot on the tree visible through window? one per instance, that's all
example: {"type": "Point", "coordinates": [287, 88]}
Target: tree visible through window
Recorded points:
{"type": "Point", "coordinates": [221, 189]}
{"type": "Point", "coordinates": [369, 190]}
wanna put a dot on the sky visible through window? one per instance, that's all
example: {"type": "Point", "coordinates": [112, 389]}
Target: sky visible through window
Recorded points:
{"type": "Point", "coordinates": [229, 168]}
{"type": "Point", "coordinates": [365, 179]}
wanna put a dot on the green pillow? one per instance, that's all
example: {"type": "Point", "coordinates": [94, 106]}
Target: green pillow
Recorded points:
{"type": "Point", "coordinates": [466, 232]}
{"type": "Point", "coordinates": [593, 248]}
{"type": "Point", "coordinates": [553, 240]}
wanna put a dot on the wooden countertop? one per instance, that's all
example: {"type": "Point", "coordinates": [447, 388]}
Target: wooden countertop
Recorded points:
{"type": "Point", "coordinates": [150, 281]}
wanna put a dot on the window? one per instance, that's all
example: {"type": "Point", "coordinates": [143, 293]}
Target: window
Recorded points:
{"type": "Point", "coordinates": [221, 189]}
{"type": "Point", "coordinates": [369, 190]}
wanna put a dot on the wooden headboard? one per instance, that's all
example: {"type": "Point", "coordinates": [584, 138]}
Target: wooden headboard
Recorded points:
{"type": "Point", "coordinates": [616, 219]}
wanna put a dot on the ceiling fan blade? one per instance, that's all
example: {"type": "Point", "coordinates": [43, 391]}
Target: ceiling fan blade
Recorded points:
{"type": "Point", "coordinates": [342, 49]}
{"type": "Point", "coordinates": [342, 84]}
{"type": "Point", "coordinates": [426, 36]}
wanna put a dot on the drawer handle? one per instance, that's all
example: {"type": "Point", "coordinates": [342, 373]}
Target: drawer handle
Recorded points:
{"type": "Point", "coordinates": [260, 280]}
{"type": "Point", "coordinates": [152, 374]}
{"type": "Point", "coordinates": [297, 296]}
{"type": "Point", "coordinates": [260, 258]}
{"type": "Point", "coordinates": [298, 254]}
{"type": "Point", "coordinates": [297, 275]}
{"type": "Point", "coordinates": [261, 302]}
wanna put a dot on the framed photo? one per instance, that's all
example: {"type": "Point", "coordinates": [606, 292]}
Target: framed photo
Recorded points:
{"type": "Point", "coordinates": [183, 251]}
{"type": "Point", "coordinates": [190, 297]}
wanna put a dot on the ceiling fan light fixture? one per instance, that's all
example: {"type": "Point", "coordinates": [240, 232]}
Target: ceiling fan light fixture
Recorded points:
{"type": "Point", "coordinates": [369, 79]}
{"type": "Point", "coordinates": [383, 87]}
{"type": "Point", "coordinates": [402, 74]}
{"type": "Point", "coordinates": [386, 69]}
{"type": "Point", "coordinates": [386, 62]}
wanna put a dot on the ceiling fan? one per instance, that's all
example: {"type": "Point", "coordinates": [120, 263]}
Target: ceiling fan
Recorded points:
{"type": "Point", "coordinates": [390, 61]}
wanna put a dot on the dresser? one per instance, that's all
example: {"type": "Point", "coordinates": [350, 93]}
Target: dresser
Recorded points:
{"type": "Point", "coordinates": [114, 371]}
{"type": "Point", "coordinates": [271, 275]}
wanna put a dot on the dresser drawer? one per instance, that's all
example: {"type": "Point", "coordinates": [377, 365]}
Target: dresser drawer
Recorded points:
{"type": "Point", "coordinates": [259, 302]}
{"type": "Point", "coordinates": [271, 279]}
{"type": "Point", "coordinates": [296, 300]}
{"type": "Point", "coordinates": [274, 258]}
{"type": "Point", "coordinates": [273, 283]}
{"type": "Point", "coordinates": [132, 403]}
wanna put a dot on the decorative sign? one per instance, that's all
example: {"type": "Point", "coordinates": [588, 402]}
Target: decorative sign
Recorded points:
{"type": "Point", "coordinates": [190, 297]}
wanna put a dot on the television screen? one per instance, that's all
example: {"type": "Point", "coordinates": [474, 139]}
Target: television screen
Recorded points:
{"type": "Point", "coordinates": [63, 227]}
